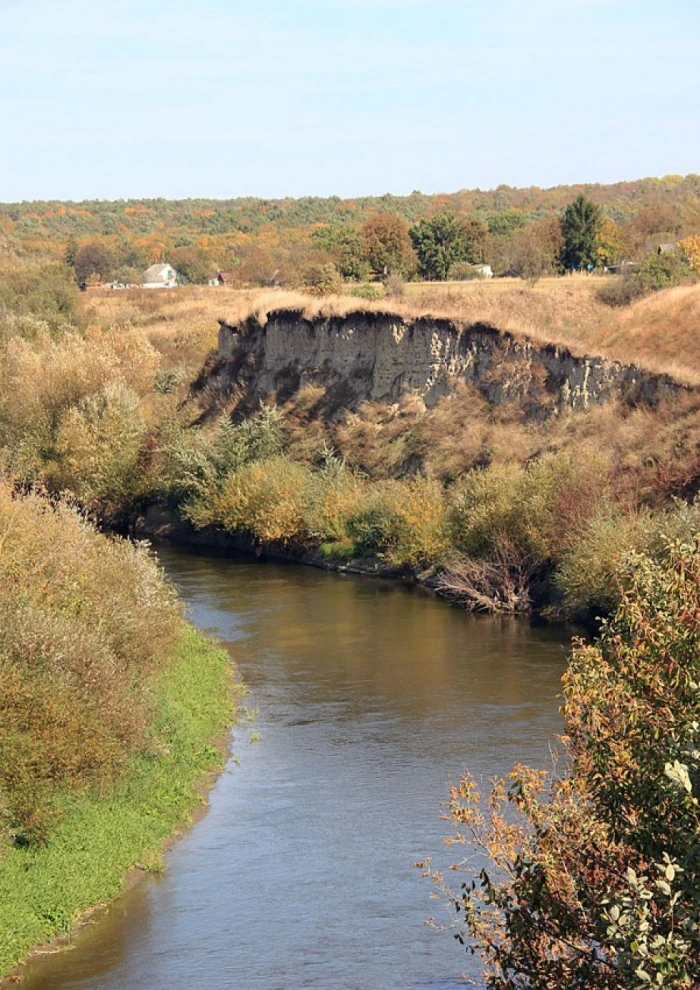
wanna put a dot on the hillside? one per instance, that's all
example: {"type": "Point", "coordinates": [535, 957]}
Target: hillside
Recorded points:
{"type": "Point", "coordinates": [284, 242]}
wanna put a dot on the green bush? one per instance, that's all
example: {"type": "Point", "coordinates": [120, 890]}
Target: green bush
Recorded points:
{"type": "Point", "coordinates": [661, 271]}
{"type": "Point", "coordinates": [365, 292]}
{"type": "Point", "coordinates": [45, 291]}
{"type": "Point", "coordinates": [265, 499]}
{"type": "Point", "coordinates": [462, 271]}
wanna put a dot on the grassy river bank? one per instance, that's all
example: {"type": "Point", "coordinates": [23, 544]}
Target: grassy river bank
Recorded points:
{"type": "Point", "coordinates": [113, 716]}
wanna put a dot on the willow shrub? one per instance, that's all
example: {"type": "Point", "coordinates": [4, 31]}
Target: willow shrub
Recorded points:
{"type": "Point", "coordinates": [589, 570]}
{"type": "Point", "coordinates": [535, 511]}
{"type": "Point", "coordinates": [595, 872]}
{"type": "Point", "coordinates": [265, 499]}
{"type": "Point", "coordinates": [404, 522]}
{"type": "Point", "coordinates": [44, 376]}
{"type": "Point", "coordinates": [84, 622]}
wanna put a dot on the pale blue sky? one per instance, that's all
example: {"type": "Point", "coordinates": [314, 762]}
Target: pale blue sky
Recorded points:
{"type": "Point", "coordinates": [314, 97]}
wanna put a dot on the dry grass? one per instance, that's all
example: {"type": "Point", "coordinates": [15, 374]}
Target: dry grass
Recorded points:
{"type": "Point", "coordinates": [659, 333]}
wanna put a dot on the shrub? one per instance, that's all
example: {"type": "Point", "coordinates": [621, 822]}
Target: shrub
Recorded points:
{"type": "Point", "coordinates": [334, 494]}
{"type": "Point", "coordinates": [394, 286]}
{"type": "Point", "coordinates": [589, 573]}
{"type": "Point", "coordinates": [593, 873]}
{"type": "Point", "coordinates": [98, 447]}
{"type": "Point", "coordinates": [462, 271]}
{"type": "Point", "coordinates": [84, 624]}
{"type": "Point", "coordinates": [620, 290]}
{"type": "Point", "coordinates": [323, 280]}
{"type": "Point", "coordinates": [660, 271]}
{"type": "Point", "coordinates": [403, 522]}
{"type": "Point", "coordinates": [533, 512]}
{"type": "Point", "coordinates": [45, 291]}
{"type": "Point", "coordinates": [589, 569]}
{"type": "Point", "coordinates": [265, 499]}
{"type": "Point", "coordinates": [365, 292]}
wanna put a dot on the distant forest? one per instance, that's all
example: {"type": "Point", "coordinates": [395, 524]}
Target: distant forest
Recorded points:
{"type": "Point", "coordinates": [285, 241]}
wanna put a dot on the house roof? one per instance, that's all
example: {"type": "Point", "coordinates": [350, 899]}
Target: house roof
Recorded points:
{"type": "Point", "coordinates": [157, 273]}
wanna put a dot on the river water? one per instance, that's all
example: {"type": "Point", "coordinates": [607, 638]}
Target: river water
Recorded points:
{"type": "Point", "coordinates": [371, 699]}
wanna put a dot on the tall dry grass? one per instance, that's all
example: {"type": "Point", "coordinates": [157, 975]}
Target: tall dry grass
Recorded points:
{"type": "Point", "coordinates": [659, 332]}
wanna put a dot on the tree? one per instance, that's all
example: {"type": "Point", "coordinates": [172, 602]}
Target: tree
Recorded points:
{"type": "Point", "coordinates": [536, 249]}
{"type": "Point", "coordinates": [71, 251]}
{"type": "Point", "coordinates": [445, 239]}
{"type": "Point", "coordinates": [344, 245]}
{"type": "Point", "coordinates": [580, 227]}
{"type": "Point", "coordinates": [387, 245]}
{"type": "Point", "coordinates": [690, 249]}
{"type": "Point", "coordinates": [93, 259]}
{"type": "Point", "coordinates": [611, 242]}
{"type": "Point", "coordinates": [597, 869]}
{"type": "Point", "coordinates": [193, 262]}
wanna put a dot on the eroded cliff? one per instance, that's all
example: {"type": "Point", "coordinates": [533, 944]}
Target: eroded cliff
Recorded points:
{"type": "Point", "coordinates": [381, 356]}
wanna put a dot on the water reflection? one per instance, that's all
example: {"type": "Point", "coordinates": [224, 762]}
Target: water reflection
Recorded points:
{"type": "Point", "coordinates": [371, 699]}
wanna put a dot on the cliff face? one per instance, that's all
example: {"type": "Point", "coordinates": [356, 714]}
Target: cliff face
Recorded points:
{"type": "Point", "coordinates": [380, 357]}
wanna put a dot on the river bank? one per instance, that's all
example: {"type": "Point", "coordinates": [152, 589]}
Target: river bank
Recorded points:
{"type": "Point", "coordinates": [103, 837]}
{"type": "Point", "coordinates": [369, 700]}
{"type": "Point", "coordinates": [161, 525]}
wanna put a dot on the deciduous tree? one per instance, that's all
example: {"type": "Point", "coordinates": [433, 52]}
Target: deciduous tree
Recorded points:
{"type": "Point", "coordinates": [387, 244]}
{"type": "Point", "coordinates": [445, 239]}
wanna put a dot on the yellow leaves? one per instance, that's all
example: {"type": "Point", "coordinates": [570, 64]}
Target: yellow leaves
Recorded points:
{"type": "Point", "coordinates": [266, 499]}
{"type": "Point", "coordinates": [690, 248]}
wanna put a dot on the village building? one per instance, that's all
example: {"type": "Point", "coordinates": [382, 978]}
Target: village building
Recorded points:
{"type": "Point", "coordinates": [222, 278]}
{"type": "Point", "coordinates": [160, 276]}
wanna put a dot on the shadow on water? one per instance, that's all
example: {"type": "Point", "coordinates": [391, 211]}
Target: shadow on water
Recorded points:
{"type": "Point", "coordinates": [371, 699]}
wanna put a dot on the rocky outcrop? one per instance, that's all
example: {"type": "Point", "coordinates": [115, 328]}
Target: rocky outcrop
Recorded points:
{"type": "Point", "coordinates": [377, 356]}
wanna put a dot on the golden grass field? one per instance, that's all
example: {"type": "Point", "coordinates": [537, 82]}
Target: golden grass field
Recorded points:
{"type": "Point", "coordinates": [660, 332]}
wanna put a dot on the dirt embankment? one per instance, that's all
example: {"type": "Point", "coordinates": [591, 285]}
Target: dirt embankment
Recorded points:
{"type": "Point", "coordinates": [381, 356]}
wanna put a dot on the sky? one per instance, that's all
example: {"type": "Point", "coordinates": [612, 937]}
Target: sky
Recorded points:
{"type": "Point", "coordinates": [280, 98]}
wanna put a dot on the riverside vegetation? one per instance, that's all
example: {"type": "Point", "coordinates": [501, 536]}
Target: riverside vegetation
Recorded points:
{"type": "Point", "coordinates": [587, 514]}
{"type": "Point", "coordinates": [111, 707]}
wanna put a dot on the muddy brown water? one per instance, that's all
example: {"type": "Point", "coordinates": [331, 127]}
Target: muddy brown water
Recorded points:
{"type": "Point", "coordinates": [371, 699]}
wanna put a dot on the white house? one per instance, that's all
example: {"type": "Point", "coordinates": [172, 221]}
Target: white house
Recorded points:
{"type": "Point", "coordinates": [160, 277]}
{"type": "Point", "coordinates": [485, 271]}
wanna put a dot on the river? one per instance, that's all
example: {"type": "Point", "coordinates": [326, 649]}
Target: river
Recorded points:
{"type": "Point", "coordinates": [371, 699]}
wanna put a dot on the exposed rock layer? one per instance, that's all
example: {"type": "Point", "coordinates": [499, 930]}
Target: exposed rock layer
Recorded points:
{"type": "Point", "coordinates": [381, 356]}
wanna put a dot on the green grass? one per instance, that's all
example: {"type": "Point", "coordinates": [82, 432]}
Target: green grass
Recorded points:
{"type": "Point", "coordinates": [44, 890]}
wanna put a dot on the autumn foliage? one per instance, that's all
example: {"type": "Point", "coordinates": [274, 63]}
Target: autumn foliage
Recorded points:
{"type": "Point", "coordinates": [594, 871]}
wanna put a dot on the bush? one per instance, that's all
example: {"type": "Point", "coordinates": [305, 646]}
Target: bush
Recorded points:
{"type": "Point", "coordinates": [593, 873]}
{"type": "Point", "coordinates": [394, 286]}
{"type": "Point", "coordinates": [323, 280]}
{"type": "Point", "coordinates": [661, 271]}
{"type": "Point", "coordinates": [402, 522]}
{"type": "Point", "coordinates": [371, 292]}
{"type": "Point", "coordinates": [334, 494]}
{"type": "Point", "coordinates": [98, 448]}
{"type": "Point", "coordinates": [265, 499]}
{"type": "Point", "coordinates": [589, 573]}
{"type": "Point", "coordinates": [462, 271]}
{"type": "Point", "coordinates": [620, 290]}
{"type": "Point", "coordinates": [84, 623]}
{"type": "Point", "coordinates": [533, 512]}
{"type": "Point", "coordinates": [45, 291]}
